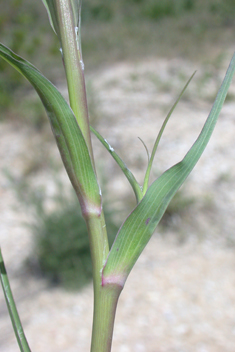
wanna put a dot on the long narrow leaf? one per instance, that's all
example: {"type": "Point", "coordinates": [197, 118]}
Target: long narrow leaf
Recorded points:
{"type": "Point", "coordinates": [141, 223]}
{"type": "Point", "coordinates": [69, 138]}
{"type": "Point", "coordinates": [16, 323]}
{"type": "Point", "coordinates": [131, 178]}
{"type": "Point", "coordinates": [146, 179]}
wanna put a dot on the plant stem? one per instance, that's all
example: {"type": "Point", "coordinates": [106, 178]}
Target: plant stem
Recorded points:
{"type": "Point", "coordinates": [74, 69]}
{"type": "Point", "coordinates": [105, 297]}
{"type": "Point", "coordinates": [105, 303]}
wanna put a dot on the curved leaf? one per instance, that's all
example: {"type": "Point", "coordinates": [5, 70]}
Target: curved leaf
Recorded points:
{"type": "Point", "coordinates": [141, 223]}
{"type": "Point", "coordinates": [146, 178]}
{"type": "Point", "coordinates": [129, 175]}
{"type": "Point", "coordinates": [69, 138]}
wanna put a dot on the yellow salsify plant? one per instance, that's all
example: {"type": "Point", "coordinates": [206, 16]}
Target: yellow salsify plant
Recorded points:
{"type": "Point", "coordinates": [71, 128]}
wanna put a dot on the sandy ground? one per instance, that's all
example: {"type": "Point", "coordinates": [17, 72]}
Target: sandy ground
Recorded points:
{"type": "Point", "coordinates": [180, 296]}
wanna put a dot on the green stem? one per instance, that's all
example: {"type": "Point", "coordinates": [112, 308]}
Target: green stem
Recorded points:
{"type": "Point", "coordinates": [73, 67]}
{"type": "Point", "coordinates": [105, 303]}
{"type": "Point", "coordinates": [98, 243]}
{"type": "Point", "coordinates": [105, 297]}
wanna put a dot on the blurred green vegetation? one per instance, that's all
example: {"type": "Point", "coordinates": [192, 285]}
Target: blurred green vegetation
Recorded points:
{"type": "Point", "coordinates": [22, 28]}
{"type": "Point", "coordinates": [60, 251]}
{"type": "Point", "coordinates": [111, 31]}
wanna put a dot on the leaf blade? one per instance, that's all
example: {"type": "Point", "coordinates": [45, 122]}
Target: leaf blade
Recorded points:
{"type": "Point", "coordinates": [52, 14]}
{"type": "Point", "coordinates": [15, 319]}
{"type": "Point", "coordinates": [140, 224]}
{"type": "Point", "coordinates": [130, 177]}
{"type": "Point", "coordinates": [69, 138]}
{"type": "Point", "coordinates": [146, 178]}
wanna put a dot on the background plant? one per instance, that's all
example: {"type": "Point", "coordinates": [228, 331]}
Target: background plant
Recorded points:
{"type": "Point", "coordinates": [61, 250]}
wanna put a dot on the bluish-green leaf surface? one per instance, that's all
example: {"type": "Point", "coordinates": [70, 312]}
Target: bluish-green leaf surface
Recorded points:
{"type": "Point", "coordinates": [141, 223]}
{"type": "Point", "coordinates": [69, 138]}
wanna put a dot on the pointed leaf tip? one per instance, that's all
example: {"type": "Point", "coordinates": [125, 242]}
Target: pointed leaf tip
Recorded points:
{"type": "Point", "coordinates": [139, 226]}
{"type": "Point", "coordinates": [50, 6]}
{"type": "Point", "coordinates": [147, 174]}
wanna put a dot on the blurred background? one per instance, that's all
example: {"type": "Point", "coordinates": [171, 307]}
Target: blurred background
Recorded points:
{"type": "Point", "coordinates": [116, 31]}
{"type": "Point", "coordinates": [138, 55]}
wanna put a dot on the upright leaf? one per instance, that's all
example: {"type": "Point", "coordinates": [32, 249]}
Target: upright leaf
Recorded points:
{"type": "Point", "coordinates": [50, 6]}
{"type": "Point", "coordinates": [52, 14]}
{"type": "Point", "coordinates": [15, 319]}
{"type": "Point", "coordinates": [141, 223]}
{"type": "Point", "coordinates": [146, 178]}
{"type": "Point", "coordinates": [69, 138]}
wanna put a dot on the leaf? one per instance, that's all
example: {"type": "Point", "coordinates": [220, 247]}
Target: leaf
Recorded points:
{"type": "Point", "coordinates": [141, 223]}
{"type": "Point", "coordinates": [52, 14]}
{"type": "Point", "coordinates": [146, 179]}
{"type": "Point", "coordinates": [145, 147]}
{"type": "Point", "coordinates": [16, 323]}
{"type": "Point", "coordinates": [69, 138]}
{"type": "Point", "coordinates": [76, 8]}
{"type": "Point", "coordinates": [131, 178]}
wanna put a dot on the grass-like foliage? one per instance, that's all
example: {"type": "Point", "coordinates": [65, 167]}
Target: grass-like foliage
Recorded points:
{"type": "Point", "coordinates": [71, 128]}
{"type": "Point", "coordinates": [61, 251]}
